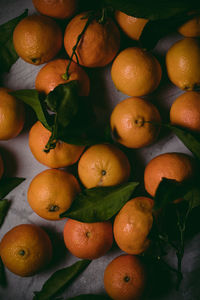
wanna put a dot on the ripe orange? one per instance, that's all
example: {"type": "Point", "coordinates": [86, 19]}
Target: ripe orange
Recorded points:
{"type": "Point", "coordinates": [55, 8]}
{"type": "Point", "coordinates": [177, 166]}
{"type": "Point", "coordinates": [12, 115]}
{"type": "Point", "coordinates": [51, 75]}
{"type": "Point", "coordinates": [133, 224]}
{"type": "Point", "coordinates": [130, 25]}
{"type": "Point", "coordinates": [88, 240]}
{"type": "Point", "coordinates": [136, 72]}
{"type": "Point", "coordinates": [37, 39]}
{"type": "Point", "coordinates": [125, 278]}
{"type": "Point", "coordinates": [26, 249]}
{"type": "Point", "coordinates": [185, 111]}
{"type": "Point", "coordinates": [63, 155]}
{"type": "Point", "coordinates": [182, 62]}
{"type": "Point", "coordinates": [99, 44]}
{"type": "Point", "coordinates": [131, 122]}
{"type": "Point", "coordinates": [1, 167]}
{"type": "Point", "coordinates": [52, 192]}
{"type": "Point", "coordinates": [191, 28]}
{"type": "Point", "coordinates": [103, 165]}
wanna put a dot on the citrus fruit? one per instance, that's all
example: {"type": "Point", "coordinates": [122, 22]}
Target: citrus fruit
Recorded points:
{"type": "Point", "coordinates": [1, 167]}
{"type": "Point", "coordinates": [177, 166]}
{"type": "Point", "coordinates": [103, 165]}
{"type": "Point", "coordinates": [12, 115]}
{"type": "Point", "coordinates": [125, 278]}
{"type": "Point", "coordinates": [51, 193]}
{"type": "Point", "coordinates": [130, 25]}
{"type": "Point", "coordinates": [63, 155]}
{"type": "Point", "coordinates": [88, 240]}
{"type": "Point", "coordinates": [133, 224]}
{"type": "Point", "coordinates": [26, 249]}
{"type": "Point", "coordinates": [185, 111]}
{"type": "Point", "coordinates": [51, 75]}
{"type": "Point", "coordinates": [56, 8]}
{"type": "Point", "coordinates": [131, 122]}
{"type": "Point", "coordinates": [136, 72]}
{"type": "Point", "coordinates": [37, 39]}
{"type": "Point", "coordinates": [182, 61]}
{"type": "Point", "coordinates": [99, 44]}
{"type": "Point", "coordinates": [191, 28]}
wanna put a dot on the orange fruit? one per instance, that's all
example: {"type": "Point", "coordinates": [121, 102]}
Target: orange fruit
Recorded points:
{"type": "Point", "coordinates": [63, 155]}
{"type": "Point", "coordinates": [55, 8]}
{"type": "Point", "coordinates": [131, 122]}
{"type": "Point", "coordinates": [12, 115]}
{"type": "Point", "coordinates": [26, 249]}
{"type": "Point", "coordinates": [130, 25]}
{"type": "Point", "coordinates": [103, 165]}
{"type": "Point", "coordinates": [51, 193]}
{"type": "Point", "coordinates": [133, 224]}
{"type": "Point", "coordinates": [182, 62]}
{"type": "Point", "coordinates": [185, 111]}
{"type": "Point", "coordinates": [88, 240]}
{"type": "Point", "coordinates": [136, 72]}
{"type": "Point", "coordinates": [125, 278]}
{"type": "Point", "coordinates": [177, 166]}
{"type": "Point", "coordinates": [191, 28]}
{"type": "Point", "coordinates": [99, 44]}
{"type": "Point", "coordinates": [37, 39]}
{"type": "Point", "coordinates": [51, 75]}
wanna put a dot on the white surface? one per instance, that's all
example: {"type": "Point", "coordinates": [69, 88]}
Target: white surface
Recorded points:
{"type": "Point", "coordinates": [19, 161]}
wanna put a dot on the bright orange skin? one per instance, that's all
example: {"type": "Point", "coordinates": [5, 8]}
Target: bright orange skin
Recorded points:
{"type": "Point", "coordinates": [182, 62]}
{"type": "Point", "coordinates": [99, 45]}
{"type": "Point", "coordinates": [129, 122]}
{"type": "Point", "coordinates": [191, 28]}
{"type": "Point", "coordinates": [185, 111]}
{"type": "Point", "coordinates": [12, 115]}
{"type": "Point", "coordinates": [177, 166]}
{"type": "Point", "coordinates": [51, 75]}
{"type": "Point", "coordinates": [60, 9]}
{"type": "Point", "coordinates": [125, 278]}
{"type": "Point", "coordinates": [37, 39]}
{"type": "Point", "coordinates": [88, 240]}
{"type": "Point", "coordinates": [33, 242]}
{"type": "Point", "coordinates": [1, 167]}
{"type": "Point", "coordinates": [52, 192]}
{"type": "Point", "coordinates": [130, 25]}
{"type": "Point", "coordinates": [136, 72]}
{"type": "Point", "coordinates": [62, 156]}
{"type": "Point", "coordinates": [133, 224]}
{"type": "Point", "coordinates": [103, 165]}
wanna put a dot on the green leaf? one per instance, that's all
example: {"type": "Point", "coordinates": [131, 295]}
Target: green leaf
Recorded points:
{"type": "Point", "coordinates": [89, 297]}
{"type": "Point", "coordinates": [193, 196]}
{"type": "Point", "coordinates": [60, 279]}
{"type": "Point", "coordinates": [100, 203]}
{"type": "Point", "coordinates": [8, 184]}
{"type": "Point", "coordinates": [2, 274]}
{"type": "Point", "coordinates": [4, 206]}
{"type": "Point", "coordinates": [8, 55]}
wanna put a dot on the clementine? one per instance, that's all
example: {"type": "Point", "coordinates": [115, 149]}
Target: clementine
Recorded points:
{"type": "Point", "coordinates": [191, 28]}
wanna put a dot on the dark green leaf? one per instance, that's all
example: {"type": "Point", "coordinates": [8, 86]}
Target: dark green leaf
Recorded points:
{"type": "Point", "coordinates": [100, 203]}
{"type": "Point", "coordinates": [193, 196]}
{"type": "Point", "coordinates": [8, 55]}
{"type": "Point", "coordinates": [8, 184]}
{"type": "Point", "coordinates": [60, 279]}
{"type": "Point", "coordinates": [89, 297]}
{"type": "Point", "coordinates": [4, 206]}
{"type": "Point", "coordinates": [2, 274]}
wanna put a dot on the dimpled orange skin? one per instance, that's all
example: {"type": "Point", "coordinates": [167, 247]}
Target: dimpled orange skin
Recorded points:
{"type": "Point", "coordinates": [182, 61]}
{"type": "Point", "coordinates": [133, 224]}
{"type": "Point", "coordinates": [177, 166]}
{"type": "Point", "coordinates": [60, 9]}
{"type": "Point", "coordinates": [103, 165]}
{"type": "Point", "coordinates": [191, 28]}
{"type": "Point", "coordinates": [37, 39]}
{"type": "Point", "coordinates": [98, 46]}
{"type": "Point", "coordinates": [26, 249]}
{"type": "Point", "coordinates": [52, 192]}
{"type": "Point", "coordinates": [136, 72]}
{"type": "Point", "coordinates": [12, 115]}
{"type": "Point", "coordinates": [125, 278]}
{"type": "Point", "coordinates": [62, 156]}
{"type": "Point", "coordinates": [130, 25]}
{"type": "Point", "coordinates": [185, 111]}
{"type": "Point", "coordinates": [1, 167]}
{"type": "Point", "coordinates": [129, 122]}
{"type": "Point", "coordinates": [88, 240]}
{"type": "Point", "coordinates": [51, 75]}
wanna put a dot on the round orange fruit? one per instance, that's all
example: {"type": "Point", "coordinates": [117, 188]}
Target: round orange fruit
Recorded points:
{"type": "Point", "coordinates": [191, 28]}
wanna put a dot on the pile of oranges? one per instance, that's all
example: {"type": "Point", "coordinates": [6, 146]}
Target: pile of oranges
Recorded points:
{"type": "Point", "coordinates": [135, 123]}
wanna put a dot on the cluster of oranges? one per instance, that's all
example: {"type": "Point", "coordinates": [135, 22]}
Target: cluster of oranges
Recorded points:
{"type": "Point", "coordinates": [135, 123]}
